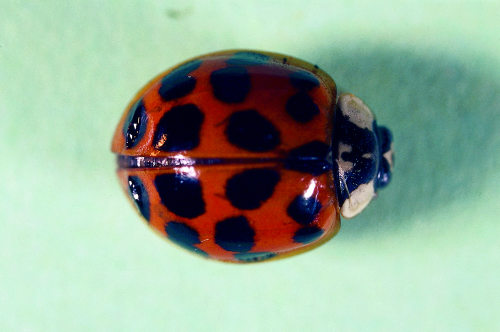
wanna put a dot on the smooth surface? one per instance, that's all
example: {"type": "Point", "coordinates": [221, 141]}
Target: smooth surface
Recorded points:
{"type": "Point", "coordinates": [423, 257]}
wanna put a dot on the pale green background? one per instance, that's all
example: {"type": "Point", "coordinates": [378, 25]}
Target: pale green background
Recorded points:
{"type": "Point", "coordinates": [425, 255]}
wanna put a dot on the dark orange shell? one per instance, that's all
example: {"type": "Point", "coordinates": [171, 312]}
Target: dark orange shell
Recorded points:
{"type": "Point", "coordinates": [269, 93]}
{"type": "Point", "coordinates": [274, 230]}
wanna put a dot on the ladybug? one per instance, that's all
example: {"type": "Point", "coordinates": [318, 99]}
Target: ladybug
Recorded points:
{"type": "Point", "coordinates": [245, 156]}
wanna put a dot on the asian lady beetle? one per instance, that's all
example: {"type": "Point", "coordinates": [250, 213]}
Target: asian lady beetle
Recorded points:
{"type": "Point", "coordinates": [245, 156]}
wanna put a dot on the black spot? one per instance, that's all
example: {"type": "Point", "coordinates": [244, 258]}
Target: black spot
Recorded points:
{"type": "Point", "coordinates": [251, 131]}
{"type": "Point", "coordinates": [307, 234]}
{"type": "Point", "coordinates": [249, 257]}
{"type": "Point", "coordinates": [303, 80]}
{"type": "Point", "coordinates": [178, 83]}
{"type": "Point", "coordinates": [304, 210]}
{"type": "Point", "coordinates": [249, 189]}
{"type": "Point", "coordinates": [301, 107]}
{"type": "Point", "coordinates": [184, 236]}
{"type": "Point", "coordinates": [179, 129]}
{"type": "Point", "coordinates": [246, 58]}
{"type": "Point", "coordinates": [313, 158]}
{"type": "Point", "coordinates": [234, 234]}
{"type": "Point", "coordinates": [230, 84]}
{"type": "Point", "coordinates": [139, 195]}
{"type": "Point", "coordinates": [363, 146]}
{"type": "Point", "coordinates": [135, 124]}
{"type": "Point", "coordinates": [181, 194]}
